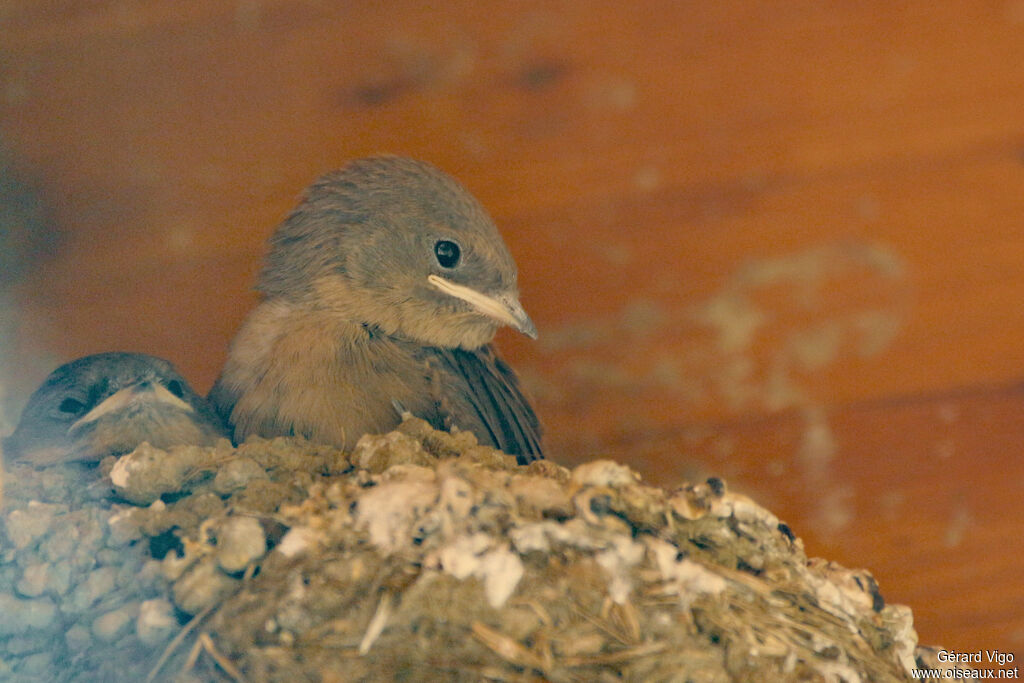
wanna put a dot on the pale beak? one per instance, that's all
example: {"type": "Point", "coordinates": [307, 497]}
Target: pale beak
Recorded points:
{"type": "Point", "coordinates": [504, 308]}
{"type": "Point", "coordinates": [122, 398]}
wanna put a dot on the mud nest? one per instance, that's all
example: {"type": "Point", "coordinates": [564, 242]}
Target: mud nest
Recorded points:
{"type": "Point", "coordinates": [418, 556]}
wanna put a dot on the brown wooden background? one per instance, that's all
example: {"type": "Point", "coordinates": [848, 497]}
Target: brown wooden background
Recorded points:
{"type": "Point", "coordinates": [778, 242]}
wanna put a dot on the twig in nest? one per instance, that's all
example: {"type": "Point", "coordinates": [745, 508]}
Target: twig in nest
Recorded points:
{"type": "Point", "coordinates": [507, 648]}
{"type": "Point", "coordinates": [537, 608]}
{"type": "Point", "coordinates": [377, 624]}
{"type": "Point", "coordinates": [606, 627]}
{"type": "Point", "coordinates": [175, 642]}
{"type": "Point", "coordinates": [624, 618]}
{"type": "Point", "coordinates": [205, 642]}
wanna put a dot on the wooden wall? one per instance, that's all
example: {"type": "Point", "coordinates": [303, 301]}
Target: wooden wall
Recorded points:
{"type": "Point", "coordinates": [782, 243]}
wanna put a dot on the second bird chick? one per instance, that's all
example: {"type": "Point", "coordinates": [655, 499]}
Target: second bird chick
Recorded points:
{"type": "Point", "coordinates": [385, 285]}
{"type": "Point", "coordinates": [108, 404]}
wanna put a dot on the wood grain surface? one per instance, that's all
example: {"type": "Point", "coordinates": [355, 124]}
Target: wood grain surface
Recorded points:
{"type": "Point", "coordinates": [781, 243]}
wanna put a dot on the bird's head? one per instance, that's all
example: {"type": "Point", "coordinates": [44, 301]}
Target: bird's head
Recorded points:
{"type": "Point", "coordinates": [400, 246]}
{"type": "Point", "coordinates": [107, 404]}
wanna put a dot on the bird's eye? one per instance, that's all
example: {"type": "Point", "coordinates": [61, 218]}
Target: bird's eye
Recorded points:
{"type": "Point", "coordinates": [72, 406]}
{"type": "Point", "coordinates": [447, 253]}
{"type": "Point", "coordinates": [174, 386]}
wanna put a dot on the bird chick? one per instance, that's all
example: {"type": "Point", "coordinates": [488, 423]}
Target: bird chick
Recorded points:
{"type": "Point", "coordinates": [385, 285]}
{"type": "Point", "coordinates": [108, 404]}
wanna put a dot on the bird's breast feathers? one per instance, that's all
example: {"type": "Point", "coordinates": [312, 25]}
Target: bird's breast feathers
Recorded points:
{"type": "Point", "coordinates": [292, 370]}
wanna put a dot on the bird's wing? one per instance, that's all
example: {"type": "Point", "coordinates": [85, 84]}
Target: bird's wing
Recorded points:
{"type": "Point", "coordinates": [490, 387]}
{"type": "Point", "coordinates": [222, 399]}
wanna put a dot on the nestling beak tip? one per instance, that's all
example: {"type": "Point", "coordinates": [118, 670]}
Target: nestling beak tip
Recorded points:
{"type": "Point", "coordinates": [513, 315]}
{"type": "Point", "coordinates": [527, 327]}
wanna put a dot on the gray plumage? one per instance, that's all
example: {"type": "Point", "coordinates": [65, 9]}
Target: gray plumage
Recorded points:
{"type": "Point", "coordinates": [386, 284]}
{"type": "Point", "coordinates": [108, 404]}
